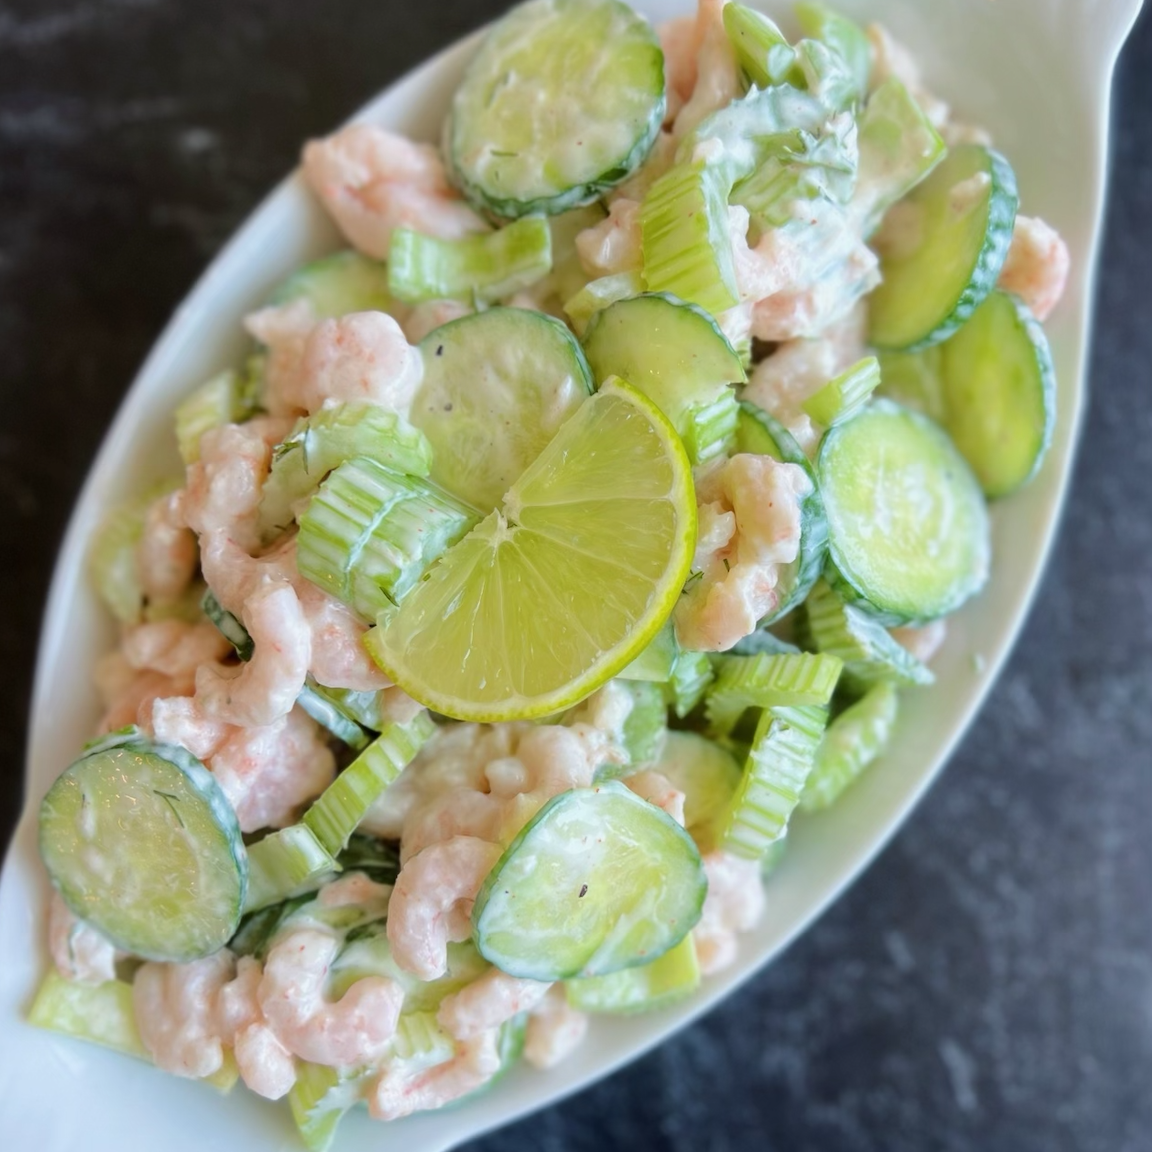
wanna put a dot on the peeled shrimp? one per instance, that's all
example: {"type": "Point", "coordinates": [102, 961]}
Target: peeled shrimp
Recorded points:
{"type": "Point", "coordinates": [79, 952]}
{"type": "Point", "coordinates": [555, 1028]}
{"type": "Point", "coordinates": [283, 329]}
{"type": "Point", "coordinates": [372, 181]}
{"type": "Point", "coordinates": [356, 1029]}
{"type": "Point", "coordinates": [488, 1002]}
{"type": "Point", "coordinates": [659, 790]}
{"type": "Point", "coordinates": [265, 688]}
{"type": "Point", "coordinates": [176, 1013]}
{"type": "Point", "coordinates": [166, 554]}
{"type": "Point", "coordinates": [717, 82]}
{"type": "Point", "coordinates": [1037, 266]}
{"type": "Point", "coordinates": [432, 902]}
{"type": "Point", "coordinates": [679, 43]}
{"type": "Point", "coordinates": [735, 903]}
{"type": "Point", "coordinates": [133, 703]}
{"type": "Point", "coordinates": [423, 318]}
{"type": "Point", "coordinates": [739, 581]}
{"type": "Point", "coordinates": [180, 720]}
{"type": "Point", "coordinates": [173, 647]}
{"type": "Point", "coordinates": [399, 1092]}
{"type": "Point", "coordinates": [265, 1065]}
{"type": "Point", "coordinates": [612, 245]}
{"type": "Point", "coordinates": [923, 642]}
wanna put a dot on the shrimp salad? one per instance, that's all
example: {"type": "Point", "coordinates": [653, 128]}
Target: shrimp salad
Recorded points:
{"type": "Point", "coordinates": [582, 521]}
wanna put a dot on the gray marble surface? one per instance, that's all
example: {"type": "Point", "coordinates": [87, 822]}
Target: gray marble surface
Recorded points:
{"type": "Point", "coordinates": [988, 984]}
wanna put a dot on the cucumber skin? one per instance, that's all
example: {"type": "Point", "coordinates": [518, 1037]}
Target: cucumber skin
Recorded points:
{"type": "Point", "coordinates": [1004, 200]}
{"type": "Point", "coordinates": [579, 195]}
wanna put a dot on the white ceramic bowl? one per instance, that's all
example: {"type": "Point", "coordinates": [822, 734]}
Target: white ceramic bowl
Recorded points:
{"type": "Point", "coordinates": [1037, 73]}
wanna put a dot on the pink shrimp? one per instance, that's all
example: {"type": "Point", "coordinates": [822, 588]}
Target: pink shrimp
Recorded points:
{"type": "Point", "coordinates": [613, 245]}
{"type": "Point", "coordinates": [267, 773]}
{"type": "Point", "coordinates": [79, 952]}
{"type": "Point", "coordinates": [487, 1003]}
{"type": "Point", "coordinates": [679, 42]}
{"type": "Point", "coordinates": [717, 80]}
{"type": "Point", "coordinates": [432, 902]}
{"type": "Point", "coordinates": [735, 903]}
{"type": "Point", "coordinates": [283, 329]}
{"type": "Point", "coordinates": [372, 181]}
{"type": "Point", "coordinates": [423, 318]}
{"type": "Point", "coordinates": [923, 642]}
{"type": "Point", "coordinates": [1037, 266]}
{"type": "Point", "coordinates": [399, 1092]}
{"type": "Point", "coordinates": [166, 554]}
{"type": "Point", "coordinates": [554, 1030]}
{"type": "Point", "coordinates": [133, 704]}
{"type": "Point", "coordinates": [265, 1065]}
{"type": "Point", "coordinates": [173, 647]}
{"type": "Point", "coordinates": [265, 688]}
{"type": "Point", "coordinates": [180, 720]}
{"type": "Point", "coordinates": [659, 790]}
{"type": "Point", "coordinates": [356, 1029]}
{"type": "Point", "coordinates": [739, 582]}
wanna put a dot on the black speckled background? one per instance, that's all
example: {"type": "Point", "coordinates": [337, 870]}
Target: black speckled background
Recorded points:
{"type": "Point", "coordinates": [987, 985]}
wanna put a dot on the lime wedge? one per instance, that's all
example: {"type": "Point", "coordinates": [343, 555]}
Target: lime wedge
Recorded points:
{"type": "Point", "coordinates": [565, 584]}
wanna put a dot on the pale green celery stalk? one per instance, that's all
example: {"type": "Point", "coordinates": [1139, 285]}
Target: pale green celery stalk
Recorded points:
{"type": "Point", "coordinates": [284, 864]}
{"type": "Point", "coordinates": [843, 396]}
{"type": "Point", "coordinates": [767, 681]}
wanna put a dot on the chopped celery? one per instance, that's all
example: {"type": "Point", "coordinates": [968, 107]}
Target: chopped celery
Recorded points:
{"type": "Point", "coordinates": [101, 1013]}
{"type": "Point", "coordinates": [845, 37]}
{"type": "Point", "coordinates": [691, 676]}
{"type": "Point", "coordinates": [657, 661]}
{"type": "Point", "coordinates": [598, 294]}
{"type": "Point", "coordinates": [284, 864]}
{"type": "Point", "coordinates": [842, 397]}
{"type": "Point", "coordinates": [764, 55]}
{"type": "Point", "coordinates": [328, 713]}
{"type": "Point", "coordinates": [767, 681]}
{"type": "Point", "coordinates": [484, 268]}
{"type": "Point", "coordinates": [227, 624]}
{"type": "Point", "coordinates": [708, 775]}
{"type": "Point", "coordinates": [229, 397]}
{"type": "Point", "coordinates": [647, 988]}
{"type": "Point", "coordinates": [319, 1100]}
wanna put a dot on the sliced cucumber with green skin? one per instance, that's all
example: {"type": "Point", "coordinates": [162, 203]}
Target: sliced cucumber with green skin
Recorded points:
{"type": "Point", "coordinates": [228, 626]}
{"type": "Point", "coordinates": [324, 441]}
{"type": "Point", "coordinates": [908, 525]}
{"type": "Point", "coordinates": [496, 388]}
{"type": "Point", "coordinates": [762, 434]}
{"type": "Point", "coordinates": [140, 841]}
{"type": "Point", "coordinates": [647, 988]}
{"type": "Point", "coordinates": [898, 148]}
{"type": "Point", "coordinates": [599, 880]}
{"type": "Point", "coordinates": [562, 101]}
{"type": "Point", "coordinates": [763, 641]}
{"type": "Point", "coordinates": [853, 741]}
{"type": "Point", "coordinates": [1000, 393]}
{"type": "Point", "coordinates": [963, 215]}
{"type": "Point", "coordinates": [677, 356]}
{"type": "Point", "coordinates": [337, 285]}
{"type": "Point", "coordinates": [691, 675]}
{"type": "Point", "coordinates": [708, 775]}
{"type": "Point", "coordinates": [643, 731]}
{"type": "Point", "coordinates": [914, 379]}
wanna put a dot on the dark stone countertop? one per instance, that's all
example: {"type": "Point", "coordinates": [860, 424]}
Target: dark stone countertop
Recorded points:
{"type": "Point", "coordinates": [987, 985]}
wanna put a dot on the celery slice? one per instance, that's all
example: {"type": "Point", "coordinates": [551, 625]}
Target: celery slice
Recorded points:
{"type": "Point", "coordinates": [781, 758]}
{"type": "Point", "coordinates": [101, 1013]}
{"type": "Point", "coordinates": [842, 397]}
{"type": "Point", "coordinates": [328, 713]}
{"type": "Point", "coordinates": [229, 397]}
{"type": "Point", "coordinates": [657, 661]}
{"type": "Point", "coordinates": [768, 681]}
{"type": "Point", "coordinates": [685, 237]}
{"type": "Point", "coordinates": [691, 676]}
{"type": "Point", "coordinates": [228, 625]}
{"type": "Point", "coordinates": [764, 55]}
{"type": "Point", "coordinates": [853, 741]}
{"type": "Point", "coordinates": [284, 864]}
{"type": "Point", "coordinates": [319, 1100]}
{"type": "Point", "coordinates": [337, 285]}
{"type": "Point", "coordinates": [598, 294]}
{"type": "Point", "coordinates": [342, 805]}
{"type": "Point", "coordinates": [843, 36]}
{"type": "Point", "coordinates": [482, 268]}
{"type": "Point", "coordinates": [370, 533]}
{"type": "Point", "coordinates": [664, 981]}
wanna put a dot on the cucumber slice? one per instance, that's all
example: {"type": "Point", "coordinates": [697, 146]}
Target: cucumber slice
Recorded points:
{"type": "Point", "coordinates": [497, 386]}
{"type": "Point", "coordinates": [783, 753]}
{"type": "Point", "coordinates": [1000, 393]}
{"type": "Point", "coordinates": [480, 269]}
{"type": "Point", "coordinates": [762, 434]}
{"type": "Point", "coordinates": [870, 654]}
{"type": "Point", "coordinates": [853, 741]}
{"type": "Point", "coordinates": [914, 379]}
{"type": "Point", "coordinates": [337, 285]}
{"type": "Point", "coordinates": [562, 101]}
{"type": "Point", "coordinates": [691, 675]}
{"type": "Point", "coordinates": [323, 442]}
{"type": "Point", "coordinates": [908, 525]}
{"type": "Point", "coordinates": [843, 36]}
{"type": "Point", "coordinates": [642, 733]}
{"type": "Point", "coordinates": [646, 988]}
{"type": "Point", "coordinates": [764, 55]}
{"type": "Point", "coordinates": [763, 641]}
{"type": "Point", "coordinates": [228, 625]}
{"type": "Point", "coordinates": [708, 775]}
{"type": "Point", "coordinates": [677, 356]}
{"type": "Point", "coordinates": [766, 681]}
{"type": "Point", "coordinates": [370, 533]}
{"type": "Point", "coordinates": [141, 842]}
{"type": "Point", "coordinates": [599, 880]}
{"type": "Point", "coordinates": [898, 148]}
{"type": "Point", "coordinates": [964, 213]}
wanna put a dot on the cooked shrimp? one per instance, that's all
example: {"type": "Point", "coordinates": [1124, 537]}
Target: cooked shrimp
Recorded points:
{"type": "Point", "coordinates": [166, 554]}
{"type": "Point", "coordinates": [268, 772]}
{"type": "Point", "coordinates": [173, 647]}
{"type": "Point", "coordinates": [283, 330]}
{"type": "Point", "coordinates": [265, 688]}
{"type": "Point", "coordinates": [339, 658]}
{"type": "Point", "coordinates": [432, 902]}
{"type": "Point", "coordinates": [923, 642]}
{"type": "Point", "coordinates": [372, 181]}
{"type": "Point", "coordinates": [79, 952]}
{"type": "Point", "coordinates": [181, 720]}
{"type": "Point", "coordinates": [225, 484]}
{"type": "Point", "coordinates": [400, 1092]}
{"type": "Point", "coordinates": [361, 356]}
{"type": "Point", "coordinates": [176, 1013]}
{"type": "Point", "coordinates": [613, 245]}
{"type": "Point", "coordinates": [452, 813]}
{"type": "Point", "coordinates": [354, 888]}
{"type": "Point", "coordinates": [1037, 266]}
{"type": "Point", "coordinates": [265, 1065]}
{"type": "Point", "coordinates": [717, 81]}
{"type": "Point", "coordinates": [430, 315]}
{"type": "Point", "coordinates": [739, 581]}
{"type": "Point", "coordinates": [735, 903]}
{"type": "Point", "coordinates": [679, 43]}
{"type": "Point", "coordinates": [555, 1028]}
{"type": "Point", "coordinates": [488, 1002]}
{"type": "Point", "coordinates": [133, 704]}
{"type": "Point", "coordinates": [356, 1029]}
{"type": "Point", "coordinates": [659, 790]}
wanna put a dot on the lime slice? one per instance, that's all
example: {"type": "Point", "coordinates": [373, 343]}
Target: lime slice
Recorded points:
{"type": "Point", "coordinates": [554, 593]}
